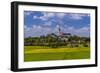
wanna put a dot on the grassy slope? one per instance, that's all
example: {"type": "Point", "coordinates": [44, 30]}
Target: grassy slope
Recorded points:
{"type": "Point", "coordinates": [38, 53]}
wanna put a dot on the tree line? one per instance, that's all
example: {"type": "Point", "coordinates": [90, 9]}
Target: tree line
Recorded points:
{"type": "Point", "coordinates": [52, 40]}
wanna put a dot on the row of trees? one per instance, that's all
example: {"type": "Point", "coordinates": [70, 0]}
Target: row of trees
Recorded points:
{"type": "Point", "coordinates": [56, 41]}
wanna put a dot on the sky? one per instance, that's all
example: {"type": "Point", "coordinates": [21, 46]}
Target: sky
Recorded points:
{"type": "Point", "coordinates": [38, 23]}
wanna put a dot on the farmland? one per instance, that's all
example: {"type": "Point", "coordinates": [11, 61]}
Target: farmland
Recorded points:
{"type": "Point", "coordinates": [45, 53]}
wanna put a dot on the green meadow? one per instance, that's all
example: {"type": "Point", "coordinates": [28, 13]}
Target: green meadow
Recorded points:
{"type": "Point", "coordinates": [45, 53]}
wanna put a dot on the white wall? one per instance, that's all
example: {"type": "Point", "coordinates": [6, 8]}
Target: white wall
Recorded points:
{"type": "Point", "coordinates": [5, 36]}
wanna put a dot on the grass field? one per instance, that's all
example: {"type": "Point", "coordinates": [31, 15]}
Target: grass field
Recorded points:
{"type": "Point", "coordinates": [43, 53]}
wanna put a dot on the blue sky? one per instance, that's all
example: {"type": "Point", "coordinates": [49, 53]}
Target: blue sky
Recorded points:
{"type": "Point", "coordinates": [37, 23]}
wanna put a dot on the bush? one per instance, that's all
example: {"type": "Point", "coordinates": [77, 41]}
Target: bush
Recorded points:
{"type": "Point", "coordinates": [76, 45]}
{"type": "Point", "coordinates": [85, 45]}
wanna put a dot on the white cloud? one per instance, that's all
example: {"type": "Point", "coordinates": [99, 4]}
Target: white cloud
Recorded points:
{"type": "Point", "coordinates": [49, 23]}
{"type": "Point", "coordinates": [35, 17]}
{"type": "Point", "coordinates": [60, 15]}
{"type": "Point", "coordinates": [45, 16]}
{"type": "Point", "coordinates": [26, 28]}
{"type": "Point", "coordinates": [71, 28]}
{"type": "Point", "coordinates": [77, 16]}
{"type": "Point", "coordinates": [27, 13]}
{"type": "Point", "coordinates": [37, 30]}
{"type": "Point", "coordinates": [83, 30]}
{"type": "Point", "coordinates": [48, 15]}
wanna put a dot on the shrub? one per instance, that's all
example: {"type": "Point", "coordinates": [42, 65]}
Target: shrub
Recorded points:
{"type": "Point", "coordinates": [76, 45]}
{"type": "Point", "coordinates": [85, 45]}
